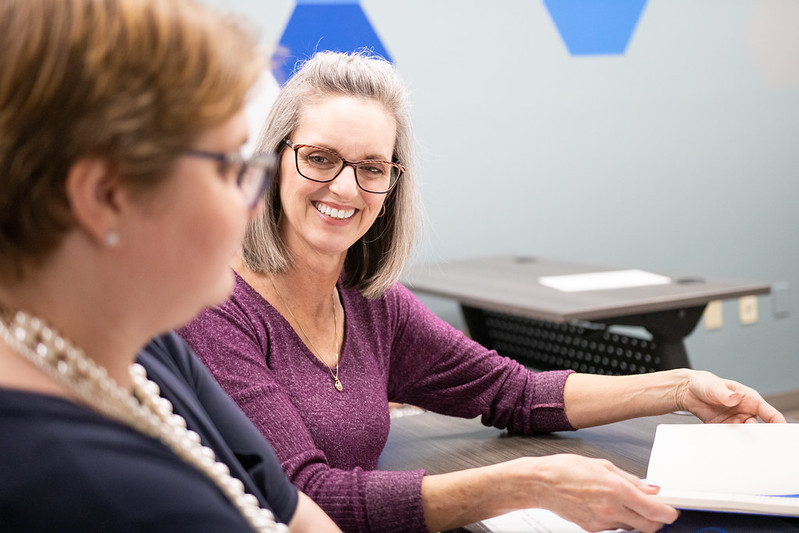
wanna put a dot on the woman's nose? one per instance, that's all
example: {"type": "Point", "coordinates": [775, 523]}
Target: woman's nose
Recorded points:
{"type": "Point", "coordinates": [345, 184]}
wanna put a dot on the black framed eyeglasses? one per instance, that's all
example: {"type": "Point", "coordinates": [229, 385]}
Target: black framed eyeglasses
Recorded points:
{"type": "Point", "coordinates": [253, 174]}
{"type": "Point", "coordinates": [323, 165]}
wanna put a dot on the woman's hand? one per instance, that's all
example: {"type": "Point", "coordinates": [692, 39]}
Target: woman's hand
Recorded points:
{"type": "Point", "coordinates": [597, 495]}
{"type": "Point", "coordinates": [716, 400]}
{"type": "Point", "coordinates": [592, 493]}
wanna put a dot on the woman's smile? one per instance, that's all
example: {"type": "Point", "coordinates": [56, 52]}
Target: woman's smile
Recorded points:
{"type": "Point", "coordinates": [334, 212]}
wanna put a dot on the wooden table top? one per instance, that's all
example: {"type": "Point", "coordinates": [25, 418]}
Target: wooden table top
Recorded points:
{"type": "Point", "coordinates": [509, 284]}
{"type": "Point", "coordinates": [441, 444]}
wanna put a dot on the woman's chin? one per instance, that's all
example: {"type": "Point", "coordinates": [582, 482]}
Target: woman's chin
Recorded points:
{"type": "Point", "coordinates": [225, 287]}
{"type": "Point", "coordinates": [334, 245]}
{"type": "Point", "coordinates": [221, 290]}
{"type": "Point", "coordinates": [218, 296]}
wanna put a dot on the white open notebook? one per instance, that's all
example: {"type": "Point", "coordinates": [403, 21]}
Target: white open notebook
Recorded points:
{"type": "Point", "coordinates": [744, 468]}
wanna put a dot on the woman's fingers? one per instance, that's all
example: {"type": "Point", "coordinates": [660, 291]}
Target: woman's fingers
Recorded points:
{"type": "Point", "coordinates": [718, 400]}
{"type": "Point", "coordinates": [597, 495]}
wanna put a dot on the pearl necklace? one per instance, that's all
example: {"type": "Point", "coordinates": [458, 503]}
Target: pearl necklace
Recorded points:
{"type": "Point", "coordinates": [315, 351]}
{"type": "Point", "coordinates": [144, 410]}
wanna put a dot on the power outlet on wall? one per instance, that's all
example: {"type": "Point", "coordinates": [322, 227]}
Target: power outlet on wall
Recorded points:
{"type": "Point", "coordinates": [713, 315]}
{"type": "Point", "coordinates": [747, 309]}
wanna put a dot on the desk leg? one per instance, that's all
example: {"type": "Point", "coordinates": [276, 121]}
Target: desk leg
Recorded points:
{"type": "Point", "coordinates": [668, 329]}
{"type": "Point", "coordinates": [672, 353]}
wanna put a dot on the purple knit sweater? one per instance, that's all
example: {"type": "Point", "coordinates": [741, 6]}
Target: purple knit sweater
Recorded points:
{"type": "Point", "coordinates": [395, 349]}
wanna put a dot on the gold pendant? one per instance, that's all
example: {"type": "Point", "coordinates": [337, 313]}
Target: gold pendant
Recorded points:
{"type": "Point", "coordinates": [338, 385]}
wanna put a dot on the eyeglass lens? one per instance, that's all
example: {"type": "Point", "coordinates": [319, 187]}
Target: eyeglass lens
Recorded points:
{"type": "Point", "coordinates": [254, 176]}
{"type": "Point", "coordinates": [318, 164]}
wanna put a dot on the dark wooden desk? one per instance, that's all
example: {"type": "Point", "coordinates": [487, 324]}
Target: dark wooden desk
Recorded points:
{"type": "Point", "coordinates": [505, 306]}
{"type": "Point", "coordinates": [442, 444]}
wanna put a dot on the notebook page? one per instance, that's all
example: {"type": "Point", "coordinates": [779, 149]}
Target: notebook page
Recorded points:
{"type": "Point", "coordinates": [726, 458]}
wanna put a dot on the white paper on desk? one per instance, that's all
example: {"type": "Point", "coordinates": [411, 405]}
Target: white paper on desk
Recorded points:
{"type": "Point", "coordinates": [596, 281]}
{"type": "Point", "coordinates": [726, 458]}
{"type": "Point", "coordinates": [532, 521]}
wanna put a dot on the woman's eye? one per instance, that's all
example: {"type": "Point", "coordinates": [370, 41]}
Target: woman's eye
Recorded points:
{"type": "Point", "coordinates": [318, 159]}
{"type": "Point", "coordinates": [374, 171]}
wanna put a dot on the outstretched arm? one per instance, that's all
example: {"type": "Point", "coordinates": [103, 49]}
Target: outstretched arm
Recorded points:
{"type": "Point", "coordinates": [592, 400]}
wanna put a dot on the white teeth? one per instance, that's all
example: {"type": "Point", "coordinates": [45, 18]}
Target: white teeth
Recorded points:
{"type": "Point", "coordinates": [334, 213]}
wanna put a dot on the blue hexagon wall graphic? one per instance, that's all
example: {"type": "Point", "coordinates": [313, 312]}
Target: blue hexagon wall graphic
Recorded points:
{"type": "Point", "coordinates": [316, 25]}
{"type": "Point", "coordinates": [595, 27]}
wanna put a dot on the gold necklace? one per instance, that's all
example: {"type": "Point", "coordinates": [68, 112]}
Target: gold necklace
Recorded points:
{"type": "Point", "coordinates": [316, 352]}
{"type": "Point", "coordinates": [144, 410]}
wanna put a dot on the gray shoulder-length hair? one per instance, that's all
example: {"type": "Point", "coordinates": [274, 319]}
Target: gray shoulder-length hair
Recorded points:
{"type": "Point", "coordinates": [375, 262]}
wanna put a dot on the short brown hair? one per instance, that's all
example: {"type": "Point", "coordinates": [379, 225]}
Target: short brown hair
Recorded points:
{"type": "Point", "coordinates": [132, 81]}
{"type": "Point", "coordinates": [377, 259]}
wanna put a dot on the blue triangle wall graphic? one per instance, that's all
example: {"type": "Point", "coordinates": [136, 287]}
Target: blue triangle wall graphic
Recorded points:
{"type": "Point", "coordinates": [595, 27]}
{"type": "Point", "coordinates": [340, 26]}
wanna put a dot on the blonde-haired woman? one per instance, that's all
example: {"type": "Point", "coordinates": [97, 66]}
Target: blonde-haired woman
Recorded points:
{"type": "Point", "coordinates": [316, 340]}
{"type": "Point", "coordinates": [122, 198]}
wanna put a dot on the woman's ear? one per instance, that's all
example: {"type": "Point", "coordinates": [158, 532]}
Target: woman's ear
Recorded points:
{"type": "Point", "coordinates": [94, 191]}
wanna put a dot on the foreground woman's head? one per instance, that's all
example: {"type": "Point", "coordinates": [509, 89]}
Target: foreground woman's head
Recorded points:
{"type": "Point", "coordinates": [132, 83]}
{"type": "Point", "coordinates": [118, 122]}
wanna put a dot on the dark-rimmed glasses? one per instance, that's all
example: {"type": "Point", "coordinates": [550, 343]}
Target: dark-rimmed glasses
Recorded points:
{"type": "Point", "coordinates": [253, 174]}
{"type": "Point", "coordinates": [323, 165]}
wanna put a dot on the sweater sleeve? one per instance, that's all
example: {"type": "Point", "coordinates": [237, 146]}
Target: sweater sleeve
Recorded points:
{"type": "Point", "coordinates": [437, 367]}
{"type": "Point", "coordinates": [235, 351]}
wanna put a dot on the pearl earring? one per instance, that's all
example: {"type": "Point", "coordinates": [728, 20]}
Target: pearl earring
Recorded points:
{"type": "Point", "coordinates": [111, 239]}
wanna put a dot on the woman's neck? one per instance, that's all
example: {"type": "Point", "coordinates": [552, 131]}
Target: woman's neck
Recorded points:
{"type": "Point", "coordinates": [16, 372]}
{"type": "Point", "coordinates": [309, 302]}
{"type": "Point", "coordinates": [307, 285]}
{"type": "Point", "coordinates": [76, 313]}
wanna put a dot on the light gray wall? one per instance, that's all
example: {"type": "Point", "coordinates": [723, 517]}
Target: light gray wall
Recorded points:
{"type": "Point", "coordinates": [678, 157]}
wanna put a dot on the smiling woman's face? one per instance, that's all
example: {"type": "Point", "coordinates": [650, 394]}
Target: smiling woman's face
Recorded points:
{"type": "Point", "coordinates": [356, 129]}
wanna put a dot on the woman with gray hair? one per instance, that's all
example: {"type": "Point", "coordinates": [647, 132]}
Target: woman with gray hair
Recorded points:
{"type": "Point", "coordinates": [319, 337]}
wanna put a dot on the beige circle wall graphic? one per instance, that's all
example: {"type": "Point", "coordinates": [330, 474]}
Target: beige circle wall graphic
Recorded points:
{"type": "Point", "coordinates": [773, 37]}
